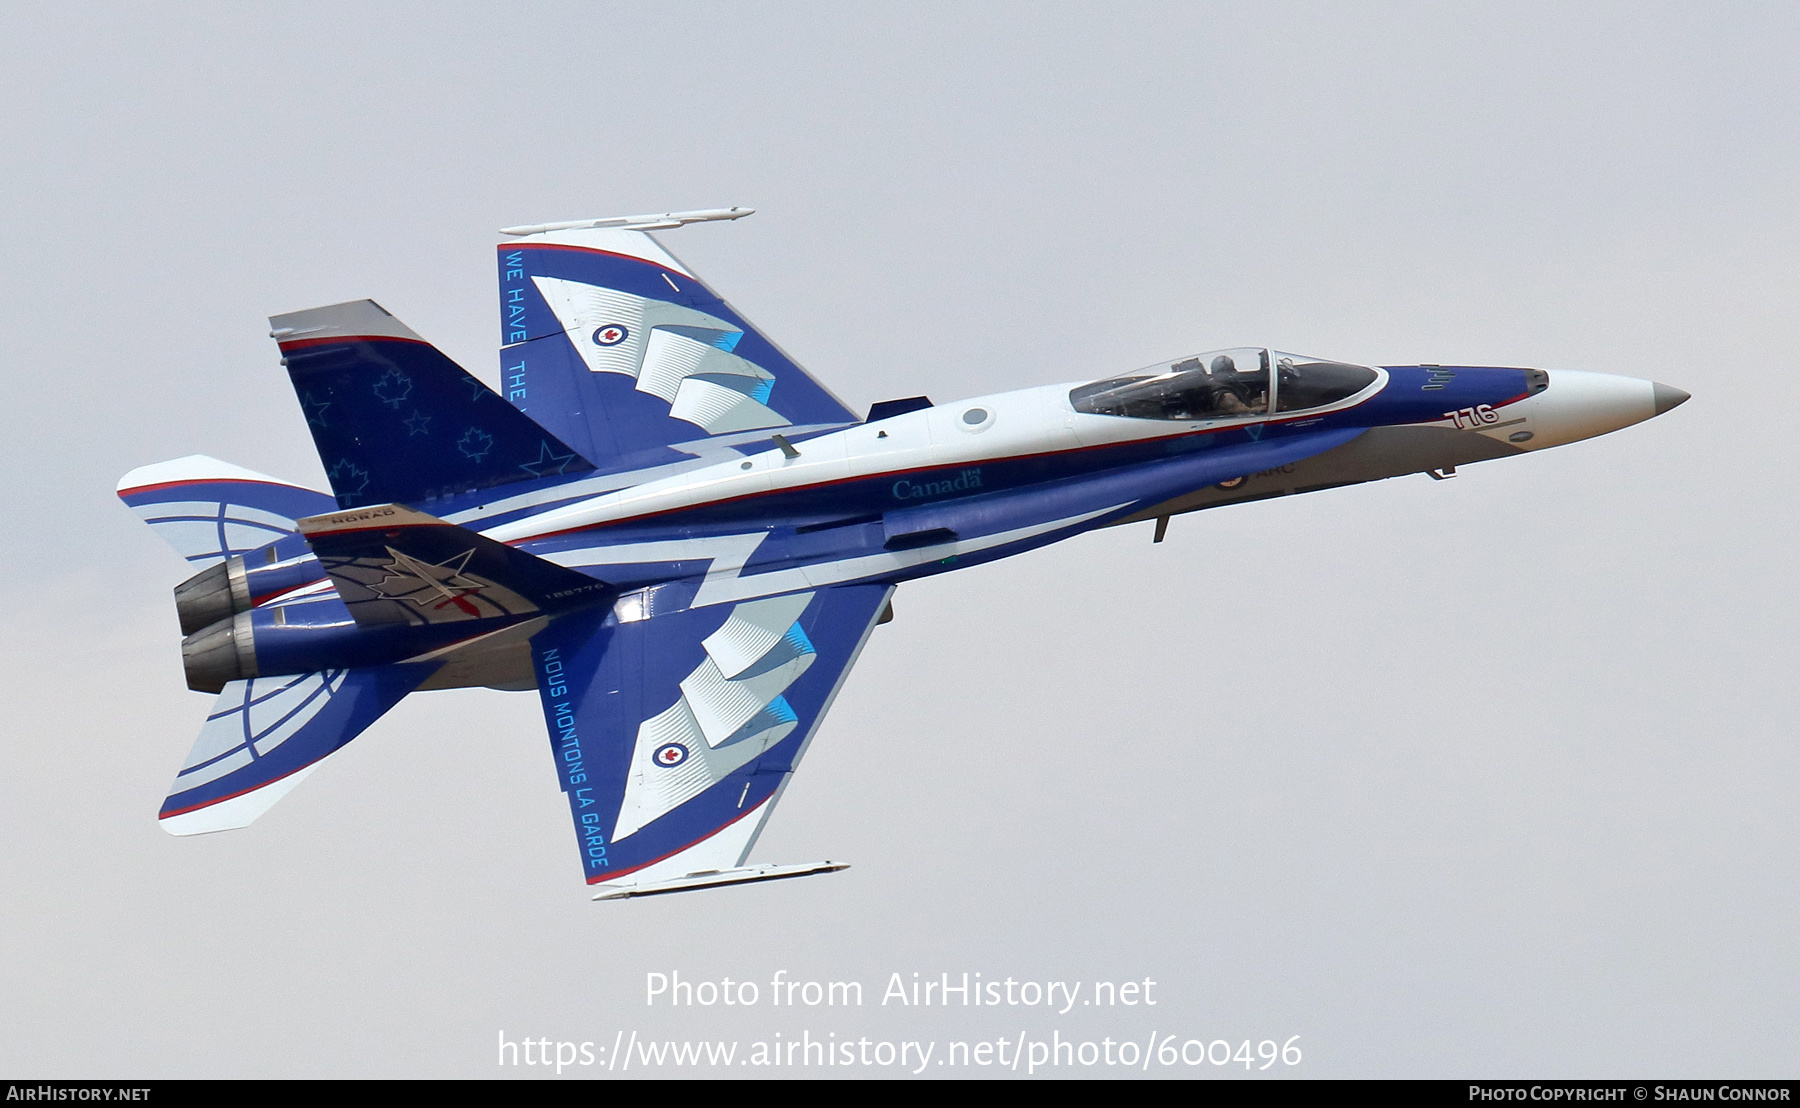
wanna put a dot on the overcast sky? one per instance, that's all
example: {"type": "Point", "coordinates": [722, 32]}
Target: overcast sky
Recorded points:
{"type": "Point", "coordinates": [1487, 777]}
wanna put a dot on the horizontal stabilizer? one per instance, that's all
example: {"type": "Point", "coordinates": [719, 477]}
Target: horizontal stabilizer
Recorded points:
{"type": "Point", "coordinates": [394, 419]}
{"type": "Point", "coordinates": [741, 876]}
{"type": "Point", "coordinates": [265, 734]}
{"type": "Point", "coordinates": [209, 510]}
{"type": "Point", "coordinates": [392, 564]}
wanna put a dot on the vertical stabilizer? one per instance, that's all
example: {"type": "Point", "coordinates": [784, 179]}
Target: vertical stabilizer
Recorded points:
{"type": "Point", "coordinates": [396, 421]}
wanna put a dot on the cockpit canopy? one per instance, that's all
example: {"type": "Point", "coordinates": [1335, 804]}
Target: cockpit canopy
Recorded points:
{"type": "Point", "coordinates": [1224, 384]}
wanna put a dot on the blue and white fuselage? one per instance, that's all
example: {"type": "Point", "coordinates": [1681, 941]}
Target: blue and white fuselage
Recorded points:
{"type": "Point", "coordinates": [685, 606]}
{"type": "Point", "coordinates": [945, 487]}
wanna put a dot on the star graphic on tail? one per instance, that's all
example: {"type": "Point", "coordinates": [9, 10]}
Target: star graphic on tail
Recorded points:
{"type": "Point", "coordinates": [548, 462]}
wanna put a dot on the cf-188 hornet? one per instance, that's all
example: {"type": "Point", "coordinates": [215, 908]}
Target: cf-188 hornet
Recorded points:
{"type": "Point", "coordinates": [681, 541]}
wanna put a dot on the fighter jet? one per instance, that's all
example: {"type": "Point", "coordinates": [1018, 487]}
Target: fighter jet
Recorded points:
{"type": "Point", "coordinates": [681, 541]}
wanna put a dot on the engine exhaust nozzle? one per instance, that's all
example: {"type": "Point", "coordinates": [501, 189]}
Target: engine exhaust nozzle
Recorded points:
{"type": "Point", "coordinates": [220, 654]}
{"type": "Point", "coordinates": [213, 594]}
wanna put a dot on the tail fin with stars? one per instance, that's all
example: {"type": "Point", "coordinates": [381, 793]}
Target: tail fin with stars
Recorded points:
{"type": "Point", "coordinates": [396, 421]}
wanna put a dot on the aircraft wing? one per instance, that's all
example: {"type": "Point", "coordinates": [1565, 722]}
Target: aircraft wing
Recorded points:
{"type": "Point", "coordinates": [674, 733]}
{"type": "Point", "coordinates": [617, 348]}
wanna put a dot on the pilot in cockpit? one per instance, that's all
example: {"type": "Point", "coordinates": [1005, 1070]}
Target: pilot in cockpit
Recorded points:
{"type": "Point", "coordinates": [1233, 390]}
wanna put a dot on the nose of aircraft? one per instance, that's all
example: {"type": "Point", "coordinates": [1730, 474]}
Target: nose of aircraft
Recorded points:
{"type": "Point", "coordinates": [1580, 405]}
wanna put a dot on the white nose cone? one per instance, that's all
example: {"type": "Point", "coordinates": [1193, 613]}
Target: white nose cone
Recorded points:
{"type": "Point", "coordinates": [1581, 405]}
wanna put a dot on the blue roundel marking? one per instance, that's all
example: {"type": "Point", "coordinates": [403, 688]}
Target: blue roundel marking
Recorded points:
{"type": "Point", "coordinates": [672, 754]}
{"type": "Point", "coordinates": [611, 334]}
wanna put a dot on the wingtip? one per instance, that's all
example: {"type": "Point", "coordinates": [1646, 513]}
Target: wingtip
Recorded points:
{"type": "Point", "coordinates": [657, 222]}
{"type": "Point", "coordinates": [744, 875]}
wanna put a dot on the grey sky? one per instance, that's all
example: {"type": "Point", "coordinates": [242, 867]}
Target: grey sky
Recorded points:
{"type": "Point", "coordinates": [1488, 777]}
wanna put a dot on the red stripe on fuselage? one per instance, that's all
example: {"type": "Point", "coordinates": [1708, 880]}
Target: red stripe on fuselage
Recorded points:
{"type": "Point", "coordinates": [906, 472]}
{"type": "Point", "coordinates": [257, 602]}
{"type": "Point", "coordinates": [923, 469]}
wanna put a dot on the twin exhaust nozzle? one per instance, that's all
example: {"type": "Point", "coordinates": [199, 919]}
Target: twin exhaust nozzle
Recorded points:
{"type": "Point", "coordinates": [214, 609]}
